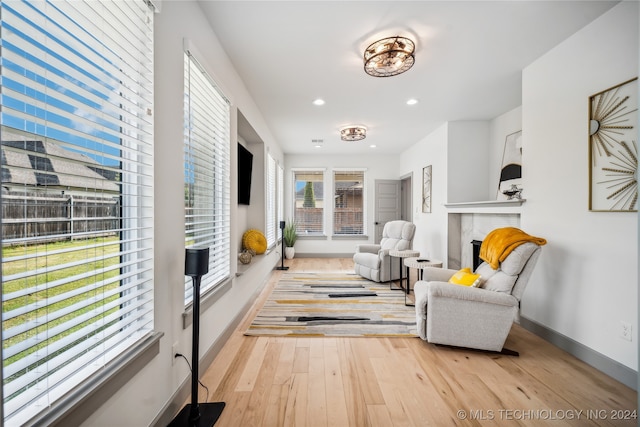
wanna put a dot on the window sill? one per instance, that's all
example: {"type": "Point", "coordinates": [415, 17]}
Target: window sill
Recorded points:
{"type": "Point", "coordinates": [84, 400]}
{"type": "Point", "coordinates": [350, 237]}
{"type": "Point", "coordinates": [312, 237]}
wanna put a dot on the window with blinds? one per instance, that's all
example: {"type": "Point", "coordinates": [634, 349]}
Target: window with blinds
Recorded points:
{"type": "Point", "coordinates": [77, 201]}
{"type": "Point", "coordinates": [308, 201]}
{"type": "Point", "coordinates": [280, 190]}
{"type": "Point", "coordinates": [207, 170]}
{"type": "Point", "coordinates": [348, 196]}
{"type": "Point", "coordinates": [271, 201]}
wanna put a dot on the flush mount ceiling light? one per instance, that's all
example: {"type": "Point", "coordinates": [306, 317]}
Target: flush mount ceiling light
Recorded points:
{"type": "Point", "coordinates": [353, 133]}
{"type": "Point", "coordinates": [389, 57]}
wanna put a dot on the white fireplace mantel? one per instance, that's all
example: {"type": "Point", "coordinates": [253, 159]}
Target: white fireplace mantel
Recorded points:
{"type": "Point", "coordinates": [487, 206]}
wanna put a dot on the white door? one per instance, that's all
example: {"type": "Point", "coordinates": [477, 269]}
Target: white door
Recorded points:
{"type": "Point", "coordinates": [387, 205]}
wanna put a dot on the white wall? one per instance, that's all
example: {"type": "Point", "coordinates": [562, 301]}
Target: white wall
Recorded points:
{"type": "Point", "coordinates": [377, 167]}
{"type": "Point", "coordinates": [587, 278]}
{"type": "Point", "coordinates": [468, 159]}
{"type": "Point", "coordinates": [431, 228]}
{"type": "Point", "coordinates": [141, 399]}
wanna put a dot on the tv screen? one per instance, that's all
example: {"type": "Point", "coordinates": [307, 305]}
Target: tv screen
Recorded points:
{"type": "Point", "coordinates": [245, 165]}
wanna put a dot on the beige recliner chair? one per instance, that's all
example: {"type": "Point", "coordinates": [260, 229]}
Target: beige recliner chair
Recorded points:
{"type": "Point", "coordinates": [474, 317]}
{"type": "Point", "coordinates": [372, 261]}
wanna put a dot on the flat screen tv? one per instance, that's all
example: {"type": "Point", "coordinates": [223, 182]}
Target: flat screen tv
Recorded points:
{"type": "Point", "coordinates": [245, 166]}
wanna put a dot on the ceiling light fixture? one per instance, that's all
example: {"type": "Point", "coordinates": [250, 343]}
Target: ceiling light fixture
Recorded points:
{"type": "Point", "coordinates": [412, 101]}
{"type": "Point", "coordinates": [318, 102]}
{"type": "Point", "coordinates": [389, 57]}
{"type": "Point", "coordinates": [353, 133]}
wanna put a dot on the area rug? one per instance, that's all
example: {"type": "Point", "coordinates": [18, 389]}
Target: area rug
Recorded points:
{"type": "Point", "coordinates": [333, 305]}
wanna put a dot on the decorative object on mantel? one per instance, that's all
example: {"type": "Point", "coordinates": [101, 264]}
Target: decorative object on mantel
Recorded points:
{"type": "Point", "coordinates": [513, 192]}
{"type": "Point", "coordinates": [426, 189]}
{"type": "Point", "coordinates": [613, 149]}
{"type": "Point", "coordinates": [511, 170]}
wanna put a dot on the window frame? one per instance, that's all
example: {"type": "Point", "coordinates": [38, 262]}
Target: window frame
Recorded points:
{"type": "Point", "coordinates": [129, 96]}
{"type": "Point", "coordinates": [304, 233]}
{"type": "Point", "coordinates": [335, 195]}
{"type": "Point", "coordinates": [219, 248]}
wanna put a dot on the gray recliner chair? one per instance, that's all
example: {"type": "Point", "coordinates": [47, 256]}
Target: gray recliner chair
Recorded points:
{"type": "Point", "coordinates": [371, 261]}
{"type": "Point", "coordinates": [474, 317]}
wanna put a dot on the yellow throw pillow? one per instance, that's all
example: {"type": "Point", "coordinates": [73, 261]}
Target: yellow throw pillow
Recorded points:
{"type": "Point", "coordinates": [254, 240]}
{"type": "Point", "coordinates": [465, 277]}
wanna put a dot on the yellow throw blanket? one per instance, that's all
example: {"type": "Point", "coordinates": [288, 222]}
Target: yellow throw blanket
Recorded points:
{"type": "Point", "coordinates": [500, 242]}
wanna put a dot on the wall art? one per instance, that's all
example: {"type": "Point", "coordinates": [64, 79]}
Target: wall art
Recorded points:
{"type": "Point", "coordinates": [426, 189]}
{"type": "Point", "coordinates": [510, 184]}
{"type": "Point", "coordinates": [613, 149]}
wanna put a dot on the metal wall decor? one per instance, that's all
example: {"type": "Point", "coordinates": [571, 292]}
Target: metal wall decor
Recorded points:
{"type": "Point", "coordinates": [426, 189]}
{"type": "Point", "coordinates": [613, 149]}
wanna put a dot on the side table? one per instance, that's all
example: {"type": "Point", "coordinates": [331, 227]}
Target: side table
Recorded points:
{"type": "Point", "coordinates": [400, 255]}
{"type": "Point", "coordinates": [419, 264]}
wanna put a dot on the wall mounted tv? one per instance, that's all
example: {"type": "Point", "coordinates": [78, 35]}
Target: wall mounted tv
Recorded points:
{"type": "Point", "coordinates": [245, 166]}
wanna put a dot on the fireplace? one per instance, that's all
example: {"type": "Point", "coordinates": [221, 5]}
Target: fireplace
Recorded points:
{"type": "Point", "coordinates": [476, 253]}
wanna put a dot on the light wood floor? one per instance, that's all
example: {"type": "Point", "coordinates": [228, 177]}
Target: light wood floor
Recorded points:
{"type": "Point", "coordinates": [405, 381]}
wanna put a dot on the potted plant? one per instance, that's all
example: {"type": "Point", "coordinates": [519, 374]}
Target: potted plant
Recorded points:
{"type": "Point", "coordinates": [290, 236]}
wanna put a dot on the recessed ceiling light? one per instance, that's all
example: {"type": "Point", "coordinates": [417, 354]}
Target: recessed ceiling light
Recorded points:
{"type": "Point", "coordinates": [412, 101]}
{"type": "Point", "coordinates": [318, 101]}
{"type": "Point", "coordinates": [373, 146]}
{"type": "Point", "coordinates": [318, 146]}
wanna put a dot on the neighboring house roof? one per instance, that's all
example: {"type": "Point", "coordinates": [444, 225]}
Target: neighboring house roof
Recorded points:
{"type": "Point", "coordinates": [42, 163]}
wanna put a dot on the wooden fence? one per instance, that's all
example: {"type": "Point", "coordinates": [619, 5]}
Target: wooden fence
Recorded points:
{"type": "Point", "coordinates": [345, 220]}
{"type": "Point", "coordinates": [57, 217]}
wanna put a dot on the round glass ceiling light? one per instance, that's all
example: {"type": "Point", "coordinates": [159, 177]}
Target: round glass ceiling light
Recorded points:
{"type": "Point", "coordinates": [389, 57]}
{"type": "Point", "coordinates": [353, 133]}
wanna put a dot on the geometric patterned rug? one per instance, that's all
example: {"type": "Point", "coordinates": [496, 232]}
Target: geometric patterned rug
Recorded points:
{"type": "Point", "coordinates": [333, 305]}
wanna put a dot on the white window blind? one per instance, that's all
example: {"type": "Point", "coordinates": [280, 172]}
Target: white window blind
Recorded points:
{"type": "Point", "coordinates": [348, 196]}
{"type": "Point", "coordinates": [309, 201]}
{"type": "Point", "coordinates": [77, 202]}
{"type": "Point", "coordinates": [280, 179]}
{"type": "Point", "coordinates": [271, 201]}
{"type": "Point", "coordinates": [207, 173]}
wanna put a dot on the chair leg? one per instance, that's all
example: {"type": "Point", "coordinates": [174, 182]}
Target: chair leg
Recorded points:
{"type": "Point", "coordinates": [504, 351]}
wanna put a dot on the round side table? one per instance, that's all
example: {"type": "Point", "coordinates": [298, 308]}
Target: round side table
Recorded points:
{"type": "Point", "coordinates": [407, 253]}
{"type": "Point", "coordinates": [419, 264]}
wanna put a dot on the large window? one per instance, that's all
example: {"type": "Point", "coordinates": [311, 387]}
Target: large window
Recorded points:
{"type": "Point", "coordinates": [280, 198]}
{"type": "Point", "coordinates": [207, 182]}
{"type": "Point", "coordinates": [348, 208]}
{"type": "Point", "coordinates": [309, 201]}
{"type": "Point", "coordinates": [77, 201]}
{"type": "Point", "coordinates": [271, 201]}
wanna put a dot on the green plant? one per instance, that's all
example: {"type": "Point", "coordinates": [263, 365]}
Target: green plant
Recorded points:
{"type": "Point", "coordinates": [309, 196]}
{"type": "Point", "coordinates": [289, 234]}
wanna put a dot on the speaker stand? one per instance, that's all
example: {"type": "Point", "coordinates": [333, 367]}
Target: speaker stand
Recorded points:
{"type": "Point", "coordinates": [282, 267]}
{"type": "Point", "coordinates": [197, 414]}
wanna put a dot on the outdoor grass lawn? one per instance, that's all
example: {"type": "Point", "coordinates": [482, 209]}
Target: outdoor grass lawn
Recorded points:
{"type": "Point", "coordinates": [57, 261]}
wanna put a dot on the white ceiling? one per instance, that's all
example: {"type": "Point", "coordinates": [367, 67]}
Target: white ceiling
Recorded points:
{"type": "Point", "coordinates": [469, 59]}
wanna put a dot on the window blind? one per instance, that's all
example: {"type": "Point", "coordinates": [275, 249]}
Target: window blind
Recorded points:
{"type": "Point", "coordinates": [309, 201]}
{"type": "Point", "coordinates": [348, 196]}
{"type": "Point", "coordinates": [280, 179]}
{"type": "Point", "coordinates": [77, 203]}
{"type": "Point", "coordinates": [271, 201]}
{"type": "Point", "coordinates": [207, 173]}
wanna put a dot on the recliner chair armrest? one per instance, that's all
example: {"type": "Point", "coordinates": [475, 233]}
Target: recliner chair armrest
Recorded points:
{"type": "Point", "coordinates": [368, 247]}
{"type": "Point", "coordinates": [435, 274]}
{"type": "Point", "coordinates": [449, 290]}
